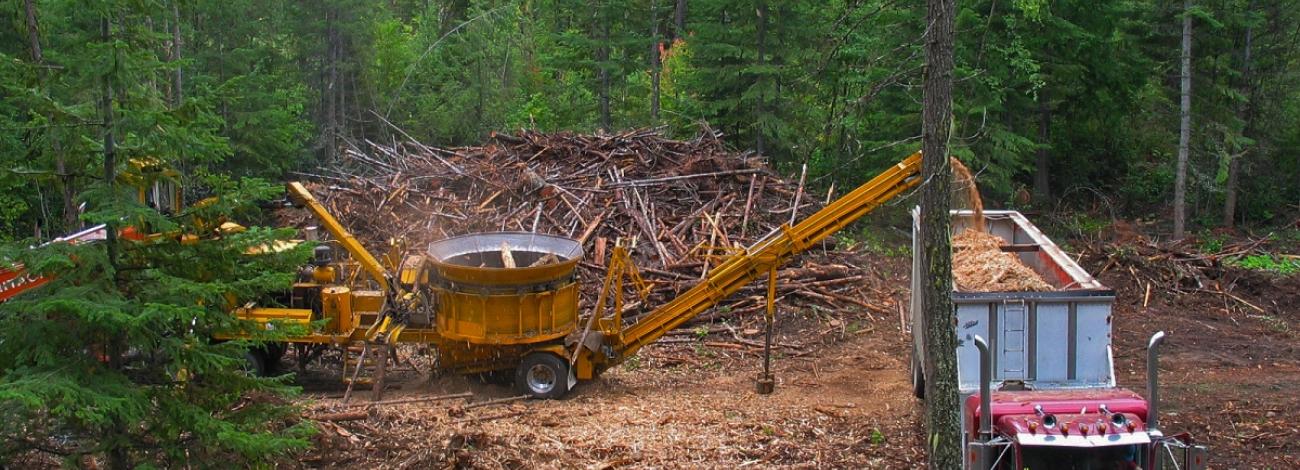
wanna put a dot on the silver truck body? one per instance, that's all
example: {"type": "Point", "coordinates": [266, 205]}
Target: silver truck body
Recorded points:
{"type": "Point", "coordinates": [1046, 340]}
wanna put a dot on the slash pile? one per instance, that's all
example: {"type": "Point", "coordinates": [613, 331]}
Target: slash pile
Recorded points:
{"type": "Point", "coordinates": [685, 204]}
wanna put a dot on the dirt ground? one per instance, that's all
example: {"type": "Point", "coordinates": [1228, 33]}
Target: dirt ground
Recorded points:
{"type": "Point", "coordinates": [1229, 375]}
{"type": "Point", "coordinates": [842, 401]}
{"type": "Point", "coordinates": [1229, 372]}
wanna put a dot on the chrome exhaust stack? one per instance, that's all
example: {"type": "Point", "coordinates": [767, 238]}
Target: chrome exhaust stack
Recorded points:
{"type": "Point", "coordinates": [986, 394]}
{"type": "Point", "coordinates": [1153, 391]}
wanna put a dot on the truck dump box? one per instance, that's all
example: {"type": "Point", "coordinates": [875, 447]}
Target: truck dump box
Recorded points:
{"type": "Point", "coordinates": [1058, 339]}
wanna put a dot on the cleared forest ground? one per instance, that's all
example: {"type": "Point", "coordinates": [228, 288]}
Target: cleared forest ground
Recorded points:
{"type": "Point", "coordinates": [1229, 375]}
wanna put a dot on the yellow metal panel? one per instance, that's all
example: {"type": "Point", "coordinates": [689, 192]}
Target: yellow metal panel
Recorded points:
{"type": "Point", "coordinates": [740, 270]}
{"type": "Point", "coordinates": [503, 318]}
{"type": "Point", "coordinates": [584, 369]}
{"type": "Point", "coordinates": [300, 196]}
{"type": "Point", "coordinates": [336, 305]}
{"type": "Point", "coordinates": [264, 315]}
{"type": "Point", "coordinates": [367, 300]}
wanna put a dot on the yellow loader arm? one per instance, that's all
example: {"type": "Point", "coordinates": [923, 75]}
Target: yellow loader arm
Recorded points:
{"type": "Point", "coordinates": [303, 198]}
{"type": "Point", "coordinates": [760, 258]}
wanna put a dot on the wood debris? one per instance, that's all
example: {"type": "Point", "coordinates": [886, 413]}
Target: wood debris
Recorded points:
{"type": "Point", "coordinates": [980, 265]}
{"type": "Point", "coordinates": [688, 204]}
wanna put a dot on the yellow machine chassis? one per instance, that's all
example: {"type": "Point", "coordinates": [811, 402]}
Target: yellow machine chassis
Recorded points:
{"type": "Point", "coordinates": [472, 334]}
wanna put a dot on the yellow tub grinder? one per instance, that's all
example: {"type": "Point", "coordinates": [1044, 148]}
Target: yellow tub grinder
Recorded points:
{"type": "Point", "coordinates": [508, 302]}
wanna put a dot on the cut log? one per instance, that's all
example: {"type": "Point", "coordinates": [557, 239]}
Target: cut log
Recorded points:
{"type": "Point", "coordinates": [507, 258]}
{"type": "Point", "coordinates": [343, 416]}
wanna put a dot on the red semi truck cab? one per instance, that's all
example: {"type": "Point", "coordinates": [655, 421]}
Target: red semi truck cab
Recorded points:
{"type": "Point", "coordinates": [1041, 364]}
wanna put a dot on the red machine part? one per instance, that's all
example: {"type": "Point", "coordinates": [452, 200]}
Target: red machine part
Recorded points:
{"type": "Point", "coordinates": [15, 279]}
{"type": "Point", "coordinates": [1089, 412]}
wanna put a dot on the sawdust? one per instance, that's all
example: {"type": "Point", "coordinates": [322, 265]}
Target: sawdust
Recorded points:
{"type": "Point", "coordinates": [843, 403]}
{"type": "Point", "coordinates": [966, 180]}
{"type": "Point", "coordinates": [980, 265]}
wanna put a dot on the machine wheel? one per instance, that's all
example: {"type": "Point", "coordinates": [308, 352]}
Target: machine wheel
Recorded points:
{"type": "Point", "coordinates": [272, 353]}
{"type": "Point", "coordinates": [543, 375]}
{"type": "Point", "coordinates": [255, 363]}
{"type": "Point", "coordinates": [918, 377]}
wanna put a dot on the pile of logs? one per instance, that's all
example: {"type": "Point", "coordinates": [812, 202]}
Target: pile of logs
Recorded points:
{"type": "Point", "coordinates": [686, 204]}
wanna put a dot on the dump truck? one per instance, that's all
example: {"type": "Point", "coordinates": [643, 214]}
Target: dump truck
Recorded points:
{"type": "Point", "coordinates": [1035, 370]}
{"type": "Point", "coordinates": [507, 302]}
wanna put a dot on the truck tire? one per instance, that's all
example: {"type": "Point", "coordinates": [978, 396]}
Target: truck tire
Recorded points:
{"type": "Point", "coordinates": [918, 377]}
{"type": "Point", "coordinates": [543, 375]}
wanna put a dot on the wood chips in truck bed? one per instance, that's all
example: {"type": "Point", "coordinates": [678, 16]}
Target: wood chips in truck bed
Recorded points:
{"type": "Point", "coordinates": [980, 265]}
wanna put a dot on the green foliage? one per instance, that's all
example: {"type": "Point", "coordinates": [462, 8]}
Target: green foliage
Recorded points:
{"type": "Point", "coordinates": [632, 364]}
{"type": "Point", "coordinates": [240, 107]}
{"type": "Point", "coordinates": [116, 356]}
{"type": "Point", "coordinates": [1268, 262]}
{"type": "Point", "coordinates": [877, 437]}
{"type": "Point", "coordinates": [279, 86]}
{"type": "Point", "coordinates": [700, 332]}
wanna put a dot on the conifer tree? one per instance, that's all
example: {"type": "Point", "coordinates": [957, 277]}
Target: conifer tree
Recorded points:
{"type": "Point", "coordinates": [117, 358]}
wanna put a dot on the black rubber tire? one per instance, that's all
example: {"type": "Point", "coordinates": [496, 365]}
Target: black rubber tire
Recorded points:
{"type": "Point", "coordinates": [540, 366]}
{"type": "Point", "coordinates": [255, 363]}
{"type": "Point", "coordinates": [918, 377]}
{"type": "Point", "coordinates": [271, 355]}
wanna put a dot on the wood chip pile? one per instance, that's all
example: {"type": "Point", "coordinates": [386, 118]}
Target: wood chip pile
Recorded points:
{"type": "Point", "coordinates": [980, 265]}
{"type": "Point", "coordinates": [687, 204]}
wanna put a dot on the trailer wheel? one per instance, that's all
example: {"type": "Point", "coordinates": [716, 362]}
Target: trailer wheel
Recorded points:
{"type": "Point", "coordinates": [543, 375]}
{"type": "Point", "coordinates": [272, 353]}
{"type": "Point", "coordinates": [255, 363]}
{"type": "Point", "coordinates": [918, 377]}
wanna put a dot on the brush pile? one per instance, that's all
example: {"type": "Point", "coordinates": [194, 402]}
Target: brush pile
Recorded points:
{"type": "Point", "coordinates": [684, 205]}
{"type": "Point", "coordinates": [980, 265]}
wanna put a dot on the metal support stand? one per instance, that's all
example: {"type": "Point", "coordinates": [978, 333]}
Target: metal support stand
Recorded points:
{"type": "Point", "coordinates": [766, 384]}
{"type": "Point", "coordinates": [381, 362]}
{"type": "Point", "coordinates": [356, 372]}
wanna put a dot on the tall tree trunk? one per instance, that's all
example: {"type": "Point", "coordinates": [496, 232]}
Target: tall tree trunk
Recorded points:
{"type": "Point", "coordinates": [1042, 182]}
{"type": "Point", "coordinates": [679, 20]}
{"type": "Point", "coordinates": [759, 144]}
{"type": "Point", "coordinates": [655, 65]}
{"type": "Point", "coordinates": [1246, 112]}
{"type": "Point", "coordinates": [943, 421]}
{"type": "Point", "coordinates": [33, 32]}
{"type": "Point", "coordinates": [1184, 126]}
{"type": "Point", "coordinates": [110, 142]}
{"type": "Point", "coordinates": [66, 187]}
{"type": "Point", "coordinates": [177, 95]}
{"type": "Point", "coordinates": [119, 458]}
{"type": "Point", "coordinates": [331, 90]}
{"type": "Point", "coordinates": [602, 60]}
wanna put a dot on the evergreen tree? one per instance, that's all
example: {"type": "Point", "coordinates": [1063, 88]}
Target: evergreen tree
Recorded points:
{"type": "Point", "coordinates": [115, 358]}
